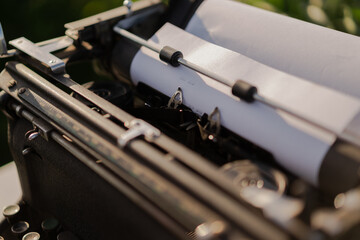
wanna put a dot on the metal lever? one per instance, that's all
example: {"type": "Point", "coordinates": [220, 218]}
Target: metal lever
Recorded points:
{"type": "Point", "coordinates": [138, 127]}
{"type": "Point", "coordinates": [176, 100]}
{"type": "Point", "coordinates": [3, 48]}
{"type": "Point", "coordinates": [128, 4]}
{"type": "Point", "coordinates": [55, 64]}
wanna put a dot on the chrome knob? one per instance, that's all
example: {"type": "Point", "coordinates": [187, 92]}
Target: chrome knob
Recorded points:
{"type": "Point", "coordinates": [128, 4]}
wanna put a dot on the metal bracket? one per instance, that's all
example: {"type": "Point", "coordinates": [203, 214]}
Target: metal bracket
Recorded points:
{"type": "Point", "coordinates": [51, 45]}
{"type": "Point", "coordinates": [55, 44]}
{"type": "Point", "coordinates": [55, 64]}
{"type": "Point", "coordinates": [214, 121]}
{"type": "Point", "coordinates": [42, 127]}
{"type": "Point", "coordinates": [176, 99]}
{"type": "Point", "coordinates": [212, 127]}
{"type": "Point", "coordinates": [138, 127]}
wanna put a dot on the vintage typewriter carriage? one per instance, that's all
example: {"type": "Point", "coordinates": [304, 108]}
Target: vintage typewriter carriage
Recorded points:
{"type": "Point", "coordinates": [112, 160]}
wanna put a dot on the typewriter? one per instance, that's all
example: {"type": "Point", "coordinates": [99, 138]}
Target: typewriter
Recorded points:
{"type": "Point", "coordinates": [216, 120]}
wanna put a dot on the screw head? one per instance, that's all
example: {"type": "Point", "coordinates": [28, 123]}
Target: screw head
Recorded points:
{"type": "Point", "coordinates": [22, 90]}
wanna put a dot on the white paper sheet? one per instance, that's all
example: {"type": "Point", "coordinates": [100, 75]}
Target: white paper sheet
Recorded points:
{"type": "Point", "coordinates": [315, 53]}
{"type": "Point", "coordinates": [296, 145]}
{"type": "Point", "coordinates": [10, 188]}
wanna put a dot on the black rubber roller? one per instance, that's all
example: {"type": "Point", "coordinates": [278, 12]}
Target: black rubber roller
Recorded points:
{"type": "Point", "coordinates": [170, 55]}
{"type": "Point", "coordinates": [244, 90]}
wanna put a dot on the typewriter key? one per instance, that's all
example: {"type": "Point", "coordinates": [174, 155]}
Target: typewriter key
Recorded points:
{"type": "Point", "coordinates": [50, 226]}
{"type": "Point", "coordinates": [66, 236]}
{"type": "Point", "coordinates": [11, 213]}
{"type": "Point", "coordinates": [20, 228]}
{"type": "Point", "coordinates": [31, 236]}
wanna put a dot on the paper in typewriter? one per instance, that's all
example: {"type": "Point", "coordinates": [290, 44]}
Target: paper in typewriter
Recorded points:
{"type": "Point", "coordinates": [296, 145]}
{"type": "Point", "coordinates": [315, 53]}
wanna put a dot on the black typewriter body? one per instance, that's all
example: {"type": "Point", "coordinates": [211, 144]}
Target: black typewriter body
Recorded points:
{"type": "Point", "coordinates": [110, 160]}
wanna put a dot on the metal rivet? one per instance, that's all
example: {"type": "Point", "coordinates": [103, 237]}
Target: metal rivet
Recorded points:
{"type": "Point", "coordinates": [52, 61]}
{"type": "Point", "coordinates": [22, 90]}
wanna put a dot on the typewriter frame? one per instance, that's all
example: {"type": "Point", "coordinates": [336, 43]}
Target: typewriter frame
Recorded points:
{"type": "Point", "coordinates": [165, 190]}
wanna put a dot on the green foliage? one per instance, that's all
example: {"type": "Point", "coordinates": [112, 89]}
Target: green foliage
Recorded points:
{"type": "Point", "coordinates": [343, 15]}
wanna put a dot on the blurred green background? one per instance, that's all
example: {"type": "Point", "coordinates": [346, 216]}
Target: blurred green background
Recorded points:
{"type": "Point", "coordinates": [43, 19]}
